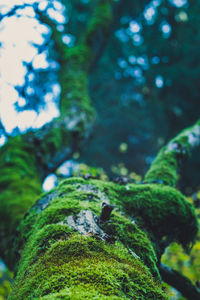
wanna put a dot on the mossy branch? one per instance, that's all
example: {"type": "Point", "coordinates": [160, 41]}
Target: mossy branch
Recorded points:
{"type": "Point", "coordinates": [166, 165]}
{"type": "Point", "coordinates": [20, 185]}
{"type": "Point", "coordinates": [56, 260]}
{"type": "Point", "coordinates": [57, 140]}
{"type": "Point", "coordinates": [180, 282]}
{"type": "Point", "coordinates": [99, 28]}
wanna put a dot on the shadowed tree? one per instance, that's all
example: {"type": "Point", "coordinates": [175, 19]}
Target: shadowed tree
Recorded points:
{"type": "Point", "coordinates": [89, 238]}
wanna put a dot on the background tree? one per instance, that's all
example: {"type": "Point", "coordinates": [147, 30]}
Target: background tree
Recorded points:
{"type": "Point", "coordinates": [111, 252]}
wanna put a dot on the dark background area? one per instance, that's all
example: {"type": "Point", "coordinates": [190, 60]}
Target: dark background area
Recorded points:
{"type": "Point", "coordinates": [146, 91]}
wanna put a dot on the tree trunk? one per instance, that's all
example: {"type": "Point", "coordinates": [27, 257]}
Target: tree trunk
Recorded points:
{"type": "Point", "coordinates": [95, 239]}
{"type": "Point", "coordinates": [73, 249]}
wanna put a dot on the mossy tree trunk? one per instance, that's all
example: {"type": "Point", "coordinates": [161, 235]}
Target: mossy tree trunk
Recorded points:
{"type": "Point", "coordinates": [88, 238]}
{"type": "Point", "coordinates": [94, 239]}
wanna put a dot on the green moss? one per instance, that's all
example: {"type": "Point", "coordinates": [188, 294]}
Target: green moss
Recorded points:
{"type": "Point", "coordinates": [75, 105]}
{"type": "Point", "coordinates": [75, 102]}
{"type": "Point", "coordinates": [101, 20]}
{"type": "Point", "coordinates": [81, 264]}
{"type": "Point", "coordinates": [20, 184]}
{"type": "Point", "coordinates": [78, 55]}
{"type": "Point", "coordinates": [162, 209]}
{"type": "Point", "coordinates": [75, 92]}
{"type": "Point", "coordinates": [165, 212]}
{"type": "Point", "coordinates": [72, 181]}
{"type": "Point", "coordinates": [58, 261]}
{"type": "Point", "coordinates": [77, 62]}
{"type": "Point", "coordinates": [165, 166]}
{"type": "Point", "coordinates": [67, 201]}
{"type": "Point", "coordinates": [136, 240]}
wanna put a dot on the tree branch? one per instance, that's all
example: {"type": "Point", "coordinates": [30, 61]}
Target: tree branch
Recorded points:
{"type": "Point", "coordinates": [165, 166]}
{"type": "Point", "coordinates": [57, 140]}
{"type": "Point", "coordinates": [20, 185]}
{"type": "Point", "coordinates": [99, 28]}
{"type": "Point", "coordinates": [179, 282]}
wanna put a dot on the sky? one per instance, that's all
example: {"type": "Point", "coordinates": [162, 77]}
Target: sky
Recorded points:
{"type": "Point", "coordinates": [17, 34]}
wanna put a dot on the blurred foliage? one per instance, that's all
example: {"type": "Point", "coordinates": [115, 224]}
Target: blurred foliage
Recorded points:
{"type": "Point", "coordinates": [121, 170]}
{"type": "Point", "coordinates": [145, 86]}
{"type": "Point", "coordinates": [84, 170]}
{"type": "Point", "coordinates": [186, 264]}
{"type": "Point", "coordinates": [5, 282]}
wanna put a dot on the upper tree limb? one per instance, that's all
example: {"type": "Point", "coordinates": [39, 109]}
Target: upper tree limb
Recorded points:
{"type": "Point", "coordinates": [57, 140]}
{"type": "Point", "coordinates": [166, 164]}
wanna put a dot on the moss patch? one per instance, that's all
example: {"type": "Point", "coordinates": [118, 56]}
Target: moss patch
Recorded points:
{"type": "Point", "coordinates": [58, 262]}
{"type": "Point", "coordinates": [165, 166]}
{"type": "Point", "coordinates": [81, 263]}
{"type": "Point", "coordinates": [20, 184]}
